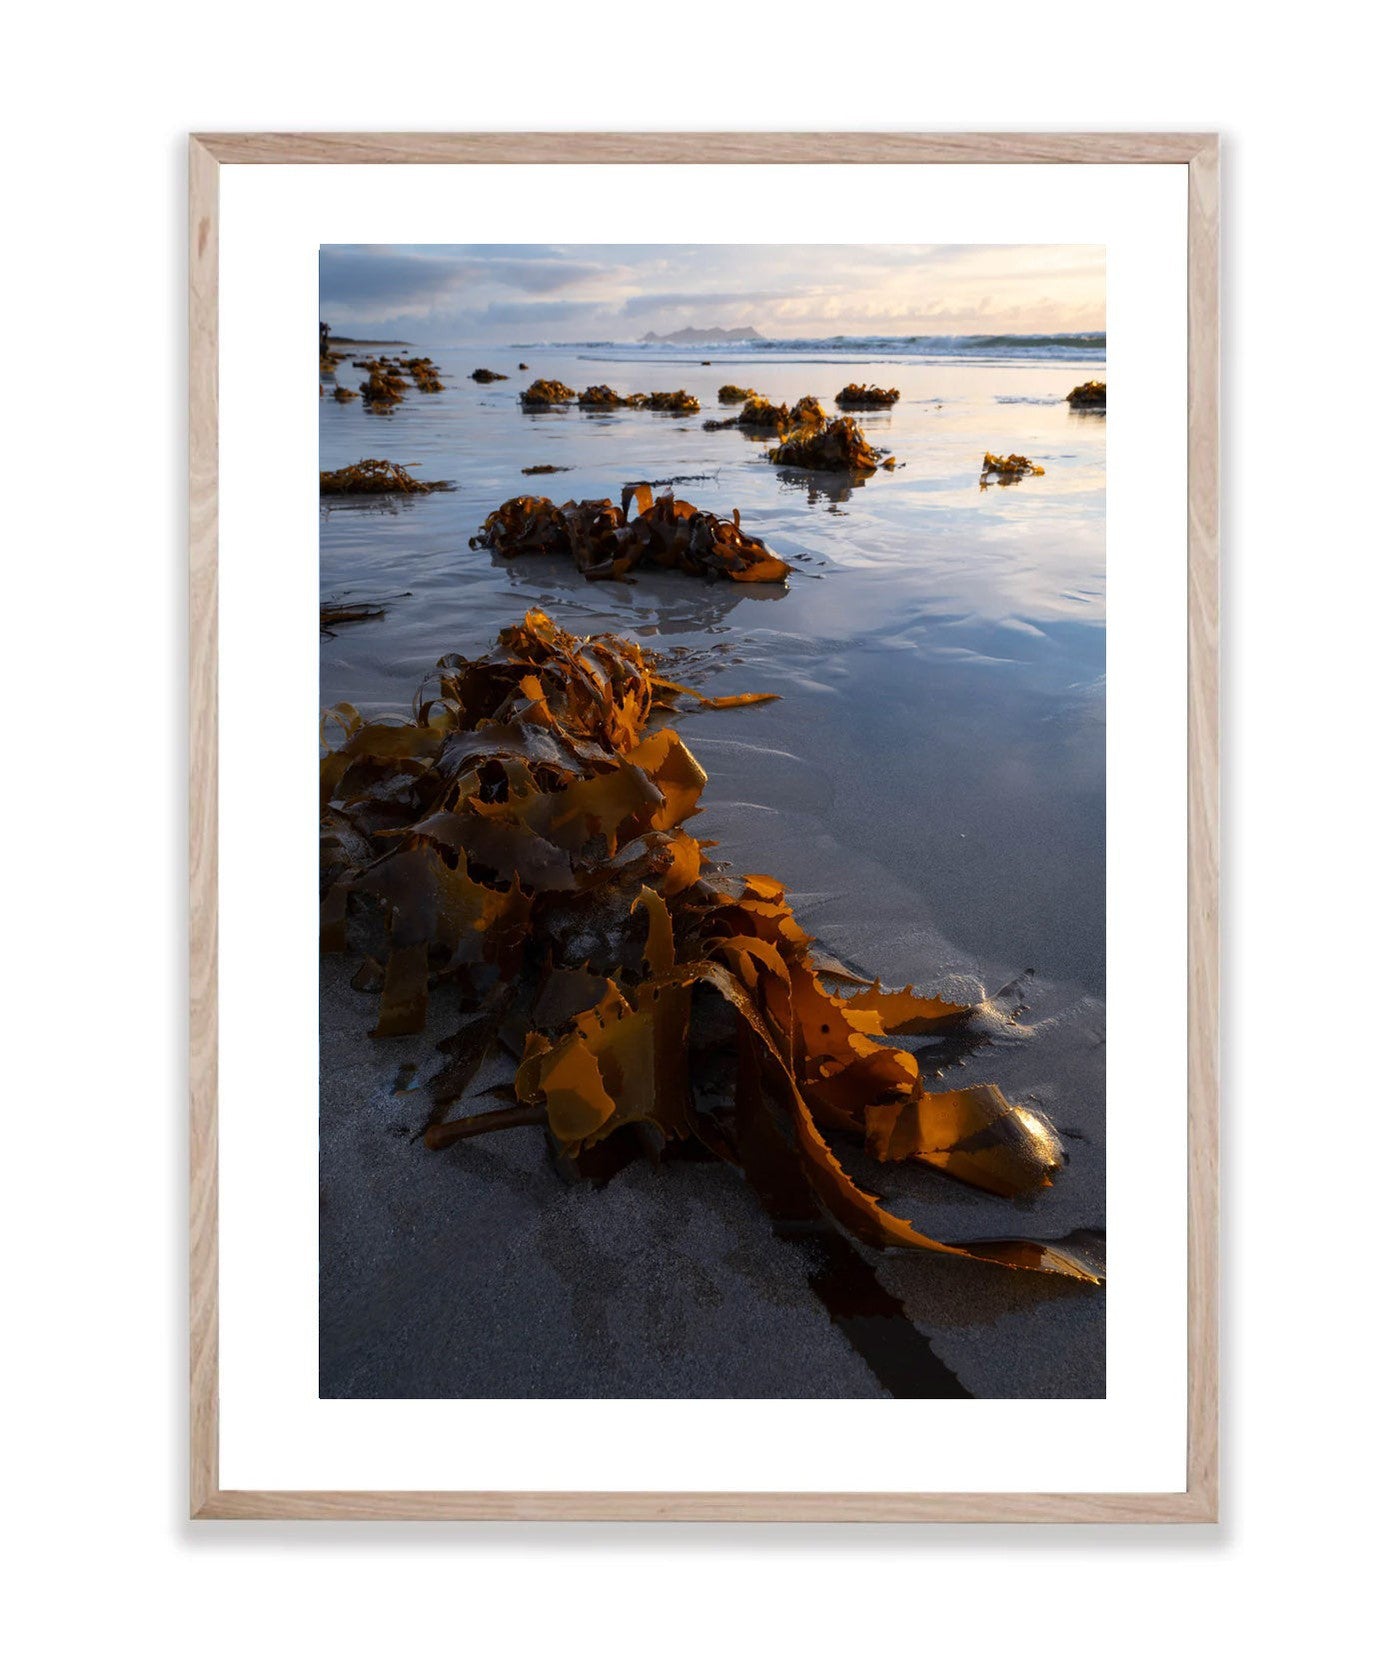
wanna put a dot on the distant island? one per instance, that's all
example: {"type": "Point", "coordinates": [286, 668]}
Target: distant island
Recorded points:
{"type": "Point", "coordinates": [703, 335]}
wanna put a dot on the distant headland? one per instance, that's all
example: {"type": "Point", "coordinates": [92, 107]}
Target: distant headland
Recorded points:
{"type": "Point", "coordinates": [703, 335]}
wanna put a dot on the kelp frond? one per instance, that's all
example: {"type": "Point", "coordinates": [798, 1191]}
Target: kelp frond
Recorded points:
{"type": "Point", "coordinates": [669, 402]}
{"type": "Point", "coordinates": [608, 541]}
{"type": "Point", "coordinates": [484, 376]}
{"type": "Point", "coordinates": [736, 393]}
{"type": "Point", "coordinates": [1008, 469]}
{"type": "Point", "coordinates": [378, 478]}
{"type": "Point", "coordinates": [866, 396]}
{"type": "Point", "coordinates": [836, 446]}
{"type": "Point", "coordinates": [1093, 394]}
{"type": "Point", "coordinates": [546, 393]}
{"type": "Point", "coordinates": [524, 836]}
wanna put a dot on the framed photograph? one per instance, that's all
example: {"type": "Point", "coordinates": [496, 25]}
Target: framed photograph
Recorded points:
{"type": "Point", "coordinates": [704, 826]}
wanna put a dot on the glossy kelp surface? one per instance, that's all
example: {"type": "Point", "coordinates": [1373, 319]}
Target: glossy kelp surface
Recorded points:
{"type": "Point", "coordinates": [524, 833]}
{"type": "Point", "coordinates": [608, 541]}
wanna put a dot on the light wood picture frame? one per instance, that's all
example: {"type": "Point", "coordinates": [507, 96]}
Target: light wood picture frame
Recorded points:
{"type": "Point", "coordinates": [1199, 153]}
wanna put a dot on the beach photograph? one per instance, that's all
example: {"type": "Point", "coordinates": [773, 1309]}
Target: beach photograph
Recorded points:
{"type": "Point", "coordinates": [712, 821]}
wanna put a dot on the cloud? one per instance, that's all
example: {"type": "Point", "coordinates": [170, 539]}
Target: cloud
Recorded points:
{"type": "Point", "coordinates": [651, 302]}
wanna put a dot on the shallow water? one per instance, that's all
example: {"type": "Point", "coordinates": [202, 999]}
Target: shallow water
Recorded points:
{"type": "Point", "coordinates": [930, 785]}
{"type": "Point", "coordinates": [940, 649]}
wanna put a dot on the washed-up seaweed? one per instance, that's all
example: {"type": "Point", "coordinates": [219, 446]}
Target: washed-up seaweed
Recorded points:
{"type": "Point", "coordinates": [336, 613]}
{"type": "Point", "coordinates": [736, 393]}
{"type": "Point", "coordinates": [603, 396]}
{"type": "Point", "coordinates": [378, 478]}
{"type": "Point", "coordinates": [836, 446]}
{"type": "Point", "coordinates": [523, 834]}
{"type": "Point", "coordinates": [866, 396]}
{"type": "Point", "coordinates": [669, 402]}
{"type": "Point", "coordinates": [758, 415]}
{"type": "Point", "coordinates": [607, 541]}
{"type": "Point", "coordinates": [426, 374]}
{"type": "Point", "coordinates": [805, 414]}
{"type": "Point", "coordinates": [383, 389]}
{"type": "Point", "coordinates": [546, 393]}
{"type": "Point", "coordinates": [484, 376]}
{"type": "Point", "coordinates": [538, 471]}
{"type": "Point", "coordinates": [342, 394]}
{"type": "Point", "coordinates": [1093, 394]}
{"type": "Point", "coordinates": [1008, 469]}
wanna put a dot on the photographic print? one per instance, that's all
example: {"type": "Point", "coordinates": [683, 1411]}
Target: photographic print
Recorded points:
{"type": "Point", "coordinates": [712, 792]}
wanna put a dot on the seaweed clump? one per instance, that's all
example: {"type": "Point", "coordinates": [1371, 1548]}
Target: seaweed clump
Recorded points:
{"type": "Point", "coordinates": [1008, 469]}
{"type": "Point", "coordinates": [603, 396]}
{"type": "Point", "coordinates": [808, 412]}
{"type": "Point", "coordinates": [546, 393]}
{"type": "Point", "coordinates": [378, 478]}
{"type": "Point", "coordinates": [668, 402]}
{"type": "Point", "coordinates": [866, 396]}
{"type": "Point", "coordinates": [484, 376]}
{"type": "Point", "coordinates": [835, 446]}
{"type": "Point", "coordinates": [736, 393]}
{"type": "Point", "coordinates": [758, 415]}
{"type": "Point", "coordinates": [341, 394]}
{"type": "Point", "coordinates": [524, 837]}
{"type": "Point", "coordinates": [383, 389]}
{"type": "Point", "coordinates": [1093, 394]}
{"type": "Point", "coordinates": [607, 541]}
{"type": "Point", "coordinates": [425, 372]}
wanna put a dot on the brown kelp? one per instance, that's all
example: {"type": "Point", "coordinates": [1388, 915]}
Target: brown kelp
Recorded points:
{"type": "Point", "coordinates": [603, 396]}
{"type": "Point", "coordinates": [1008, 469]}
{"type": "Point", "coordinates": [539, 471]}
{"type": "Point", "coordinates": [484, 376]}
{"type": "Point", "coordinates": [758, 415]}
{"type": "Point", "coordinates": [669, 402]}
{"type": "Point", "coordinates": [378, 478]}
{"type": "Point", "coordinates": [835, 446]}
{"type": "Point", "coordinates": [425, 372]}
{"type": "Point", "coordinates": [736, 393]}
{"type": "Point", "coordinates": [383, 389]}
{"type": "Point", "coordinates": [1093, 394]}
{"type": "Point", "coordinates": [805, 414]}
{"type": "Point", "coordinates": [341, 394]}
{"type": "Point", "coordinates": [524, 837]}
{"type": "Point", "coordinates": [607, 541]}
{"type": "Point", "coordinates": [546, 393]}
{"type": "Point", "coordinates": [866, 396]}
{"type": "Point", "coordinates": [336, 612]}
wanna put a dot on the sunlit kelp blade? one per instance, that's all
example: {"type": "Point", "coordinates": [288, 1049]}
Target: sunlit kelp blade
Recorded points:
{"type": "Point", "coordinates": [1008, 469]}
{"type": "Point", "coordinates": [523, 834]}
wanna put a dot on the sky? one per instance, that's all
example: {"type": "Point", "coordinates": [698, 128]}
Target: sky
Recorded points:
{"type": "Point", "coordinates": [513, 294]}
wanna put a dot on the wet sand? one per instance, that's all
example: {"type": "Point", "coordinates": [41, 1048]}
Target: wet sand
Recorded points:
{"type": "Point", "coordinates": [930, 787]}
